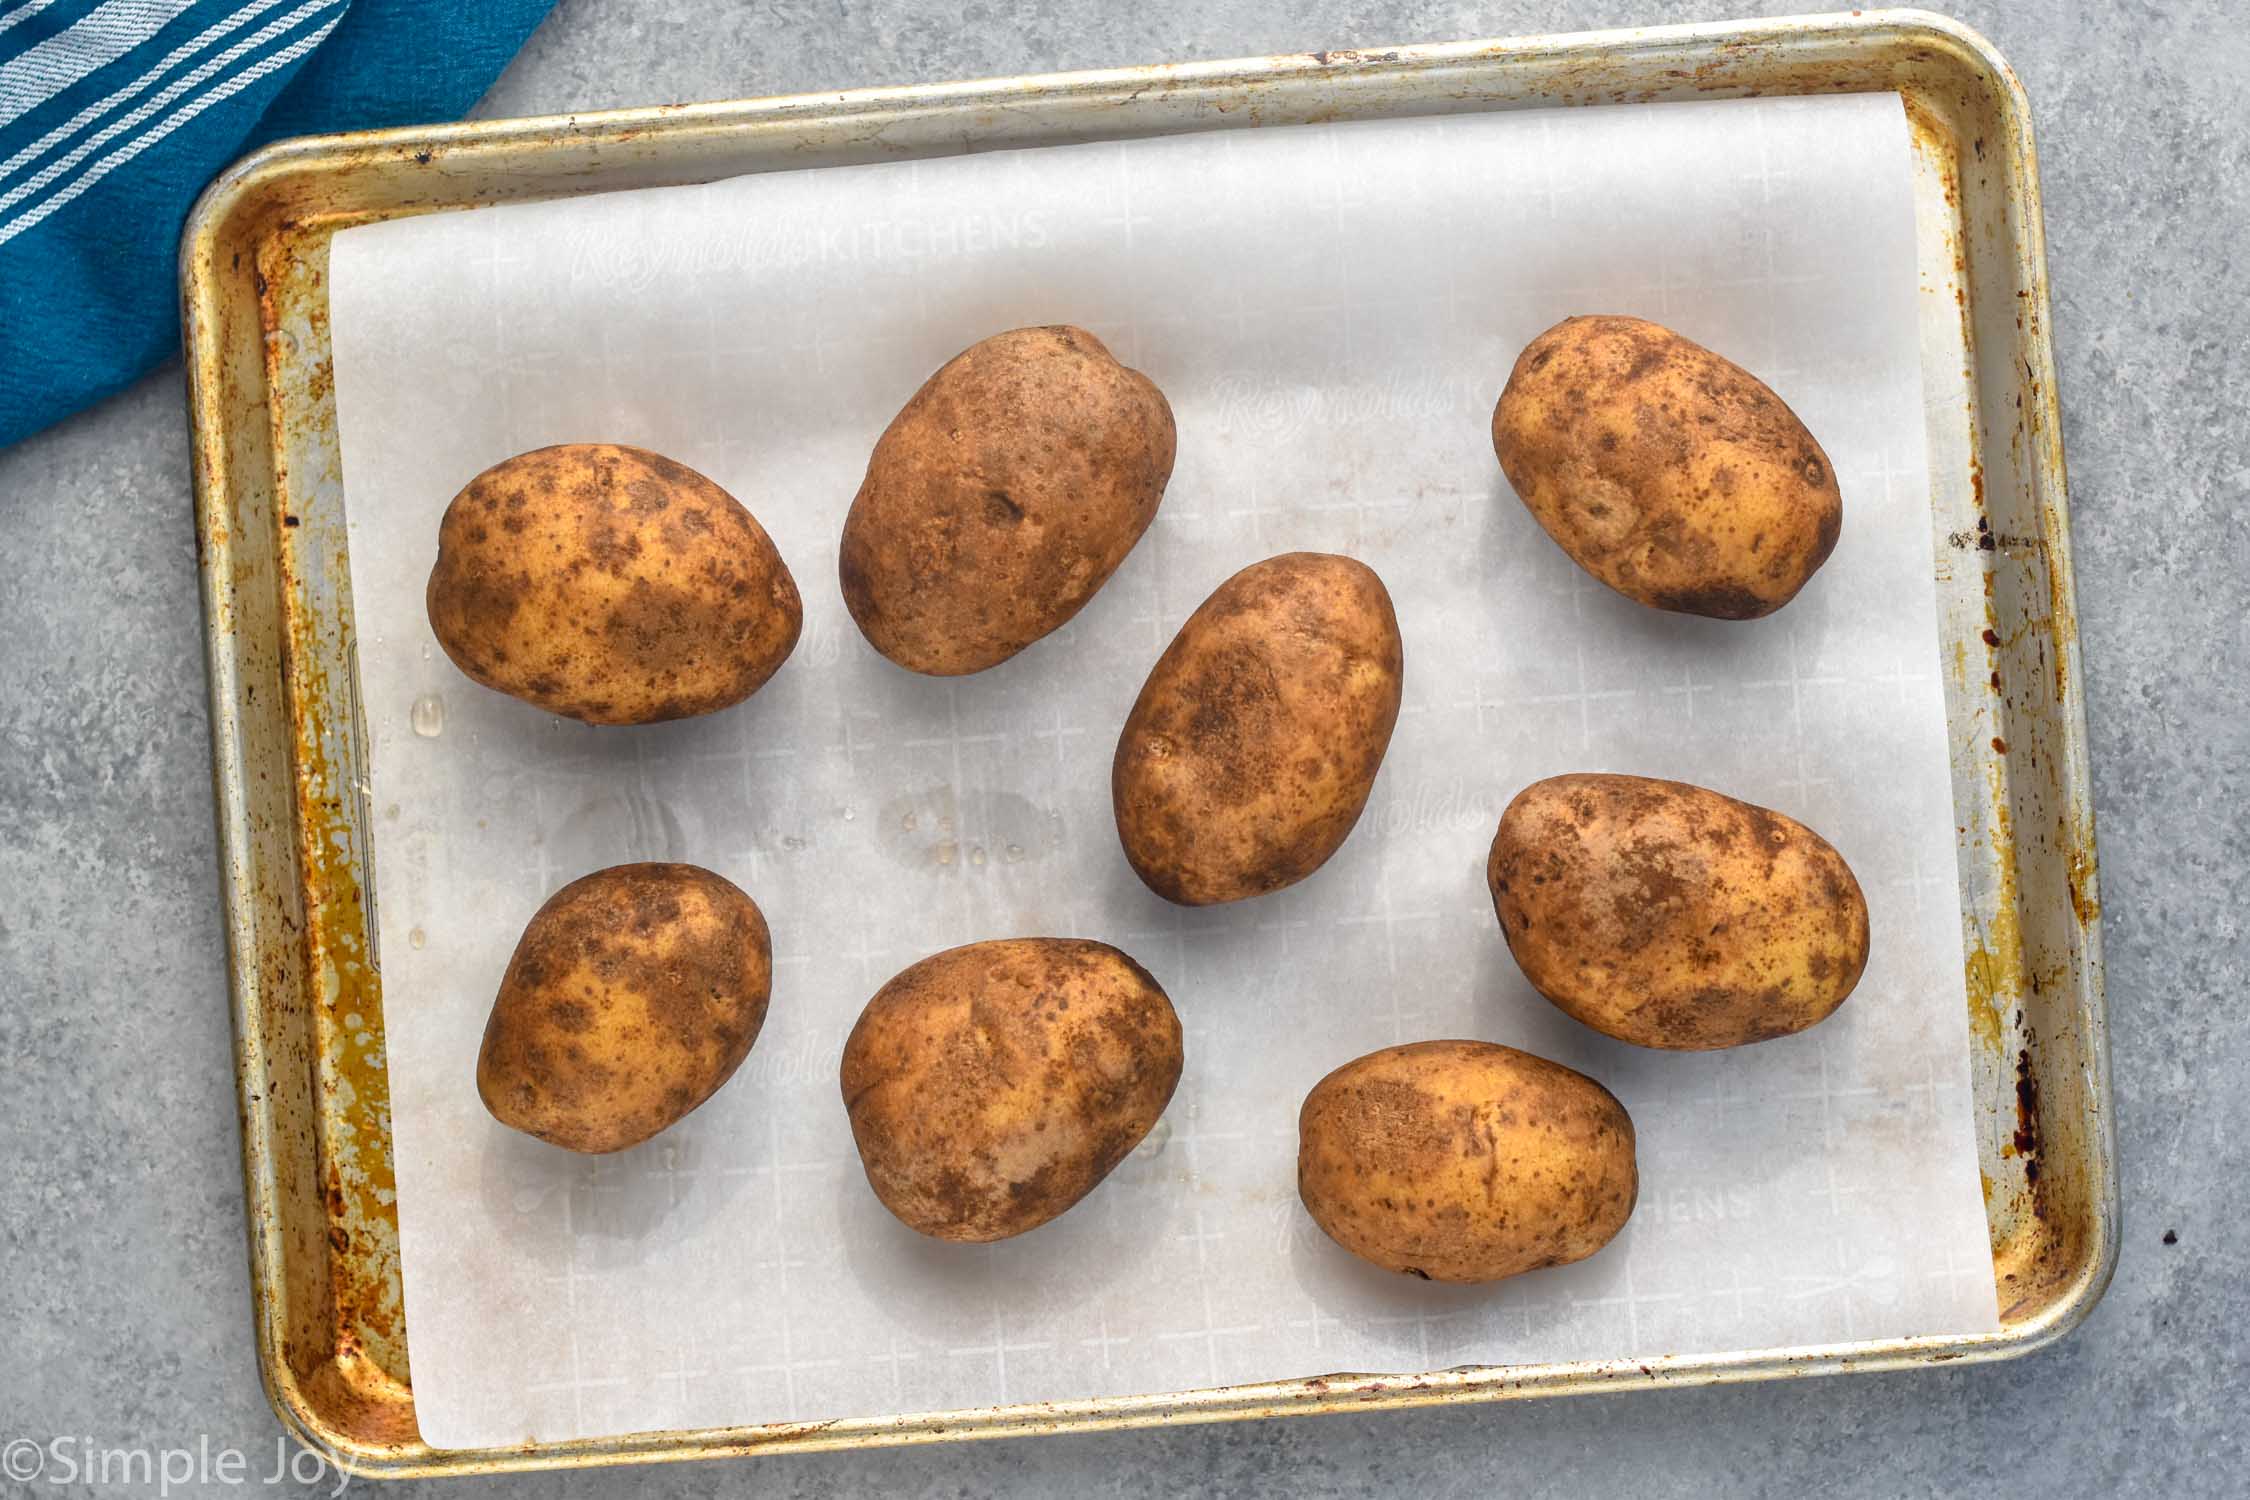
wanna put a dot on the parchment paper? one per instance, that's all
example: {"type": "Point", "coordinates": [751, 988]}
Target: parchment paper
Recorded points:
{"type": "Point", "coordinates": [1332, 312]}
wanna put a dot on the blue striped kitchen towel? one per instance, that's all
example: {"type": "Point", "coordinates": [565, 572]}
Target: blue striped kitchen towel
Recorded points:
{"type": "Point", "coordinates": [115, 113]}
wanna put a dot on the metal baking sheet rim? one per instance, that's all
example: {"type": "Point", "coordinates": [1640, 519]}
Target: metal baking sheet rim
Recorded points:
{"type": "Point", "coordinates": [315, 1145]}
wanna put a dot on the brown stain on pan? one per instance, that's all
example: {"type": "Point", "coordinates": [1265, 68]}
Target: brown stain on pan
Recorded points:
{"type": "Point", "coordinates": [358, 1381]}
{"type": "Point", "coordinates": [2078, 860]}
{"type": "Point", "coordinates": [2027, 1138]}
{"type": "Point", "coordinates": [2036, 1248]}
{"type": "Point", "coordinates": [1994, 968]}
{"type": "Point", "coordinates": [2061, 626]}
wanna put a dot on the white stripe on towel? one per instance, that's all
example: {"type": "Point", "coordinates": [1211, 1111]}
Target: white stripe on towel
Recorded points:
{"type": "Point", "coordinates": [23, 13]}
{"type": "Point", "coordinates": [193, 105]}
{"type": "Point", "coordinates": [165, 127]}
{"type": "Point", "coordinates": [216, 32]}
{"type": "Point", "coordinates": [101, 36]}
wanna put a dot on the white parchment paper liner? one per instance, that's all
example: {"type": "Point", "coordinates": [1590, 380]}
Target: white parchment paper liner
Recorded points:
{"type": "Point", "coordinates": [1332, 311]}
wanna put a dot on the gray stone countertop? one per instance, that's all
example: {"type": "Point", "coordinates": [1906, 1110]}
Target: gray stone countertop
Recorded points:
{"type": "Point", "coordinates": [124, 1301]}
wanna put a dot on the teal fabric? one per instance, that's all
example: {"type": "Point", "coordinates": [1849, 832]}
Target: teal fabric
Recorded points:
{"type": "Point", "coordinates": [115, 113]}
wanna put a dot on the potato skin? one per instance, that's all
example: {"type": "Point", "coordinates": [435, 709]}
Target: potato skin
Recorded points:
{"type": "Point", "coordinates": [633, 995]}
{"type": "Point", "coordinates": [992, 1086]}
{"type": "Point", "coordinates": [610, 585]}
{"type": "Point", "coordinates": [1465, 1161]}
{"type": "Point", "coordinates": [1672, 916]}
{"type": "Point", "coordinates": [1002, 498]}
{"type": "Point", "coordinates": [1672, 475]}
{"type": "Point", "coordinates": [1255, 741]}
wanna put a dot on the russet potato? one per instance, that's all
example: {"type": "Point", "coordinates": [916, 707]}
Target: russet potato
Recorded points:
{"type": "Point", "coordinates": [1254, 744]}
{"type": "Point", "coordinates": [1669, 473]}
{"type": "Point", "coordinates": [610, 585]}
{"type": "Point", "coordinates": [1465, 1161]}
{"type": "Point", "coordinates": [1674, 916]}
{"type": "Point", "coordinates": [1002, 498]}
{"type": "Point", "coordinates": [633, 995]}
{"type": "Point", "coordinates": [992, 1086]}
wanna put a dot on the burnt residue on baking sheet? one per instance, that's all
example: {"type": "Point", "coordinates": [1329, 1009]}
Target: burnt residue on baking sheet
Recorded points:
{"type": "Point", "coordinates": [2078, 861]}
{"type": "Point", "coordinates": [358, 1374]}
{"type": "Point", "coordinates": [2027, 1123]}
{"type": "Point", "coordinates": [1994, 964]}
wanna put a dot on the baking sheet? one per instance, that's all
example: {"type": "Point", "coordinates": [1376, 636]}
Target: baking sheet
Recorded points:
{"type": "Point", "coordinates": [1331, 311]}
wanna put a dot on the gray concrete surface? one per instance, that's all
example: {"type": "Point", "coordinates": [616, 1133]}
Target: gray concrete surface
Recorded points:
{"type": "Point", "coordinates": [124, 1306]}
